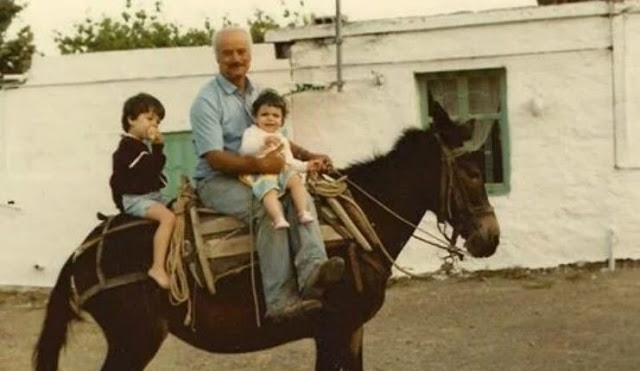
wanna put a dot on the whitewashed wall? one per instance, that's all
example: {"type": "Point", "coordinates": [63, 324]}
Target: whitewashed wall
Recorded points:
{"type": "Point", "coordinates": [58, 131]}
{"type": "Point", "coordinates": [57, 134]}
{"type": "Point", "coordinates": [567, 194]}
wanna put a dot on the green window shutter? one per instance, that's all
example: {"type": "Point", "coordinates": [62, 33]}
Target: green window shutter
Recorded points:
{"type": "Point", "coordinates": [181, 160]}
{"type": "Point", "coordinates": [478, 94]}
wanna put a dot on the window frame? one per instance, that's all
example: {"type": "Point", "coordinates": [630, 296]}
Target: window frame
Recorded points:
{"type": "Point", "coordinates": [461, 77]}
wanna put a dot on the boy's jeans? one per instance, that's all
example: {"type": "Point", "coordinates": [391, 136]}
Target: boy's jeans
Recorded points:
{"type": "Point", "coordinates": [227, 195]}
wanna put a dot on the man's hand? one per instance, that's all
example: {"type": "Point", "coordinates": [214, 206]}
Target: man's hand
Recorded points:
{"type": "Point", "coordinates": [272, 163]}
{"type": "Point", "coordinates": [304, 155]}
{"type": "Point", "coordinates": [323, 162]}
{"type": "Point", "coordinates": [314, 166]}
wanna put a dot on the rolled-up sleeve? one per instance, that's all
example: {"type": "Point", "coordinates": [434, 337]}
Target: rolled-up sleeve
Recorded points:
{"type": "Point", "coordinates": [205, 118]}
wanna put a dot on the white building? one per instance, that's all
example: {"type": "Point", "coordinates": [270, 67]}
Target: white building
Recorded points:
{"type": "Point", "coordinates": [560, 80]}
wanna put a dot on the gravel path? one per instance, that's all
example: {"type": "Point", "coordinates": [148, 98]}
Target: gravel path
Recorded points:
{"type": "Point", "coordinates": [570, 319]}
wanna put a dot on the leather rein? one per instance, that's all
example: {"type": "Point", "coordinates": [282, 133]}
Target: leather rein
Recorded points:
{"type": "Point", "coordinates": [450, 193]}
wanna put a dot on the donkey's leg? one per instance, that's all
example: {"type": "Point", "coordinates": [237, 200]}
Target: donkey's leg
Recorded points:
{"type": "Point", "coordinates": [131, 319]}
{"type": "Point", "coordinates": [337, 350]}
{"type": "Point", "coordinates": [327, 358]}
{"type": "Point", "coordinates": [354, 357]}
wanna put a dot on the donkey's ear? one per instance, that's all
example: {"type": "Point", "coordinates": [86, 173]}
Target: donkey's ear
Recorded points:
{"type": "Point", "coordinates": [439, 116]}
{"type": "Point", "coordinates": [467, 129]}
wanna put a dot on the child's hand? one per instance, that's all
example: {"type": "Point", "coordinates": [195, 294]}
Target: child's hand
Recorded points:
{"type": "Point", "coordinates": [272, 141]}
{"type": "Point", "coordinates": [154, 135]}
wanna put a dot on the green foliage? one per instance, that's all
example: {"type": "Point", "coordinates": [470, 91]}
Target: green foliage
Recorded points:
{"type": "Point", "coordinates": [136, 29]}
{"type": "Point", "coordinates": [295, 18]}
{"type": "Point", "coordinates": [302, 87]}
{"type": "Point", "coordinates": [15, 54]}
{"type": "Point", "coordinates": [262, 22]}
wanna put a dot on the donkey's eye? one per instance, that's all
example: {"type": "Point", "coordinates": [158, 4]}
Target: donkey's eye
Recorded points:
{"type": "Point", "coordinates": [473, 173]}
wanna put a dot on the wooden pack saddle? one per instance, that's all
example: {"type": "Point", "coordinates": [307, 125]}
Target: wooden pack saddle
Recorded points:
{"type": "Point", "coordinates": [223, 244]}
{"type": "Point", "coordinates": [210, 245]}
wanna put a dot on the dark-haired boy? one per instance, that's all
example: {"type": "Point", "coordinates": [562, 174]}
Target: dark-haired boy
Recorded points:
{"type": "Point", "coordinates": [137, 175]}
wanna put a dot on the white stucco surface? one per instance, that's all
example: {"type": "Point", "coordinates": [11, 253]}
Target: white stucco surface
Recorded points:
{"type": "Point", "coordinates": [569, 200]}
{"type": "Point", "coordinates": [58, 133]}
{"type": "Point", "coordinates": [574, 130]}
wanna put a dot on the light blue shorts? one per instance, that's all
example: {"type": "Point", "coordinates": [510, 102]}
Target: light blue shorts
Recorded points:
{"type": "Point", "coordinates": [137, 205]}
{"type": "Point", "coordinates": [263, 183]}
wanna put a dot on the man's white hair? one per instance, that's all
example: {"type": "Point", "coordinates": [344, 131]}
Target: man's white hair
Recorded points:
{"type": "Point", "coordinates": [215, 40]}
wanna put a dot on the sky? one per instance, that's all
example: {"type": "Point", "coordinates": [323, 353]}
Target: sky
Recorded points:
{"type": "Point", "coordinates": [47, 16]}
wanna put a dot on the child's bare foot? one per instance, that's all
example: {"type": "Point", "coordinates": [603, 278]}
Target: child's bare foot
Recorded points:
{"type": "Point", "coordinates": [160, 276]}
{"type": "Point", "coordinates": [280, 223]}
{"type": "Point", "coordinates": [305, 217]}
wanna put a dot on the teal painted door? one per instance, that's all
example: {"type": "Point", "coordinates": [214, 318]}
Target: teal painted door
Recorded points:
{"type": "Point", "coordinates": [181, 160]}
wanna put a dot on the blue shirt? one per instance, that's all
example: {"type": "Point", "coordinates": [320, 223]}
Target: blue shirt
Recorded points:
{"type": "Point", "coordinates": [219, 116]}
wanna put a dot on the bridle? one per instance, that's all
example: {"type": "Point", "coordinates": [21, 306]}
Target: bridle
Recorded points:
{"type": "Point", "coordinates": [449, 193]}
{"type": "Point", "coordinates": [453, 194]}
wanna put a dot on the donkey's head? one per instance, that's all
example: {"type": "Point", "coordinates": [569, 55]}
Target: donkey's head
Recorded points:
{"type": "Point", "coordinates": [463, 201]}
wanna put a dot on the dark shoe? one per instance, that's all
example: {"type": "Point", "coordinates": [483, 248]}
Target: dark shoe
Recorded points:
{"type": "Point", "coordinates": [296, 309]}
{"type": "Point", "coordinates": [328, 272]}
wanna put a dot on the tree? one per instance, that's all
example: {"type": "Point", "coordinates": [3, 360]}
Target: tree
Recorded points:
{"type": "Point", "coordinates": [15, 54]}
{"type": "Point", "coordinates": [135, 30]}
{"type": "Point", "coordinates": [142, 29]}
{"type": "Point", "coordinates": [261, 22]}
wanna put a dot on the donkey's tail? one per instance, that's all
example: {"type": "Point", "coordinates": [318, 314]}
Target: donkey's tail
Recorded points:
{"type": "Point", "coordinates": [57, 318]}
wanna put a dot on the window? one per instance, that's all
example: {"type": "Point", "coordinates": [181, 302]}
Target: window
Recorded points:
{"type": "Point", "coordinates": [181, 160]}
{"type": "Point", "coordinates": [481, 95]}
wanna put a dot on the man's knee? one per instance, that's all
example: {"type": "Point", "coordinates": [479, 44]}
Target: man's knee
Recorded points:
{"type": "Point", "coordinates": [224, 194]}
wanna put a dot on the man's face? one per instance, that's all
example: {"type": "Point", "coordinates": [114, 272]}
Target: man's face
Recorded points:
{"type": "Point", "coordinates": [234, 55]}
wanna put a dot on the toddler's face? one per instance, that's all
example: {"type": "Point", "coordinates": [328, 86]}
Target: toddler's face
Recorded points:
{"type": "Point", "coordinates": [269, 118]}
{"type": "Point", "coordinates": [141, 125]}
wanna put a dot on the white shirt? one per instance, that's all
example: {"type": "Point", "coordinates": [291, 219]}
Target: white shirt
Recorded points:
{"type": "Point", "coordinates": [253, 144]}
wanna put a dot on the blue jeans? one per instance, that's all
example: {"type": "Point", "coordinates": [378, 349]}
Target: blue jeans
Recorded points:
{"type": "Point", "coordinates": [275, 247]}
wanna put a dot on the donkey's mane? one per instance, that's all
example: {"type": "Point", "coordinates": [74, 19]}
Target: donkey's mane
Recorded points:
{"type": "Point", "coordinates": [402, 148]}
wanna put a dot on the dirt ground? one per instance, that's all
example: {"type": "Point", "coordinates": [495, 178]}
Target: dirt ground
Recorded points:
{"type": "Point", "coordinates": [568, 318]}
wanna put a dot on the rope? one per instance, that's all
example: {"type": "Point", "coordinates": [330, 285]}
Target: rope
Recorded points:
{"type": "Point", "coordinates": [451, 249]}
{"type": "Point", "coordinates": [444, 246]}
{"type": "Point", "coordinates": [178, 283]}
{"type": "Point", "coordinates": [326, 186]}
{"type": "Point", "coordinates": [254, 290]}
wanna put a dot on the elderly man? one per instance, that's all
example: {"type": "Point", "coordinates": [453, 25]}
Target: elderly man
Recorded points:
{"type": "Point", "coordinates": [219, 115]}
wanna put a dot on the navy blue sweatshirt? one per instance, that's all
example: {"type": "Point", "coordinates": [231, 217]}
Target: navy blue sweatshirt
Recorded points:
{"type": "Point", "coordinates": [136, 170]}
